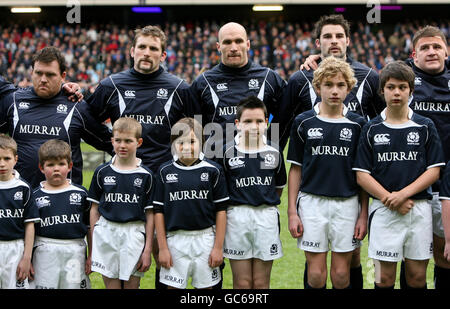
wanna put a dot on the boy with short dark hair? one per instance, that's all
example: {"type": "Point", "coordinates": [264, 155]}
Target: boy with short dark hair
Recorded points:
{"type": "Point", "coordinates": [18, 214]}
{"type": "Point", "coordinates": [121, 213]}
{"type": "Point", "coordinates": [256, 175]}
{"type": "Point", "coordinates": [399, 158]}
{"type": "Point", "coordinates": [59, 255]}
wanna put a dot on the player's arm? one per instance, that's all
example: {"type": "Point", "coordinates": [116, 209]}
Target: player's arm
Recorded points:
{"type": "Point", "coordinates": [395, 199]}
{"type": "Point", "coordinates": [446, 225]}
{"type": "Point", "coordinates": [294, 180]}
{"type": "Point", "coordinates": [375, 189]}
{"type": "Point", "coordinates": [361, 223]}
{"type": "Point", "coordinates": [164, 256]}
{"type": "Point", "coordinates": [146, 257]}
{"type": "Point", "coordinates": [310, 63]}
{"type": "Point", "coordinates": [24, 267]}
{"type": "Point", "coordinates": [94, 216]}
{"type": "Point", "coordinates": [216, 256]}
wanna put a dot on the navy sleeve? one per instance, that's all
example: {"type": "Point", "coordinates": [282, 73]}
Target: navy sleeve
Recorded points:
{"type": "Point", "coordinates": [296, 144]}
{"type": "Point", "coordinates": [95, 190]}
{"type": "Point", "coordinates": [31, 212]}
{"type": "Point", "coordinates": [5, 87]}
{"type": "Point", "coordinates": [281, 177]}
{"type": "Point", "coordinates": [158, 196]}
{"type": "Point", "coordinates": [98, 102]}
{"type": "Point", "coordinates": [195, 98]}
{"type": "Point", "coordinates": [5, 103]}
{"type": "Point", "coordinates": [377, 105]}
{"type": "Point", "coordinates": [435, 154]}
{"type": "Point", "coordinates": [220, 190]}
{"type": "Point", "coordinates": [364, 153]}
{"type": "Point", "coordinates": [289, 108]}
{"type": "Point", "coordinates": [444, 193]}
{"type": "Point", "coordinates": [94, 133]}
{"type": "Point", "coordinates": [149, 193]}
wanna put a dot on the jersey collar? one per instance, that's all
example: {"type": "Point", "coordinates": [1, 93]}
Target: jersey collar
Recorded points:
{"type": "Point", "coordinates": [237, 141]}
{"type": "Point", "coordinates": [410, 114]}
{"type": "Point", "coordinates": [231, 70]}
{"type": "Point", "coordinates": [317, 110]}
{"type": "Point", "coordinates": [7, 184]}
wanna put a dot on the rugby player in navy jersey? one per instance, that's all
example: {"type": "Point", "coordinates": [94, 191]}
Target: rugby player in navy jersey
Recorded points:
{"type": "Point", "coordinates": [332, 35]}
{"type": "Point", "coordinates": [121, 214]}
{"type": "Point", "coordinates": [189, 203]}
{"type": "Point", "coordinates": [18, 214]}
{"type": "Point", "coordinates": [431, 98]}
{"type": "Point", "coordinates": [216, 92]}
{"type": "Point", "coordinates": [149, 94]}
{"type": "Point", "coordinates": [399, 157]}
{"type": "Point", "coordinates": [256, 175]}
{"type": "Point", "coordinates": [36, 114]}
{"type": "Point", "coordinates": [59, 255]}
{"type": "Point", "coordinates": [323, 196]}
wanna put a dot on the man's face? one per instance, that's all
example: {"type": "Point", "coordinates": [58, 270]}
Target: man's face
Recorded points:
{"type": "Point", "coordinates": [429, 54]}
{"type": "Point", "coordinates": [333, 41]}
{"type": "Point", "coordinates": [147, 54]}
{"type": "Point", "coordinates": [233, 46]}
{"type": "Point", "coordinates": [47, 79]}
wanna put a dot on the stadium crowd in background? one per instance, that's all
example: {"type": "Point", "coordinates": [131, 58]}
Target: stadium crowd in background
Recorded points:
{"type": "Point", "coordinates": [95, 51]}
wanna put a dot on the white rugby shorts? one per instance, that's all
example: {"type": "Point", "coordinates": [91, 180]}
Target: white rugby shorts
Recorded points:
{"type": "Point", "coordinates": [253, 232]}
{"type": "Point", "coordinates": [117, 248]}
{"type": "Point", "coordinates": [328, 223]}
{"type": "Point", "coordinates": [436, 208]}
{"type": "Point", "coordinates": [11, 252]}
{"type": "Point", "coordinates": [190, 252]}
{"type": "Point", "coordinates": [59, 264]}
{"type": "Point", "coordinates": [393, 236]}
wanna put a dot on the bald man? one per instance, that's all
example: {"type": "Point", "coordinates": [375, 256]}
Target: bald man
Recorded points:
{"type": "Point", "coordinates": [217, 91]}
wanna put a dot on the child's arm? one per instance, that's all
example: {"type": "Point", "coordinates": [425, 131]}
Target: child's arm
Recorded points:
{"type": "Point", "coordinates": [87, 268]}
{"type": "Point", "coordinates": [396, 199]}
{"type": "Point", "coordinates": [146, 257]}
{"type": "Point", "coordinates": [164, 256]}
{"type": "Point", "coordinates": [374, 188]}
{"type": "Point", "coordinates": [446, 224]}
{"type": "Point", "coordinates": [294, 180]}
{"type": "Point", "coordinates": [216, 256]}
{"type": "Point", "coordinates": [361, 223]}
{"type": "Point", "coordinates": [94, 215]}
{"type": "Point", "coordinates": [24, 267]}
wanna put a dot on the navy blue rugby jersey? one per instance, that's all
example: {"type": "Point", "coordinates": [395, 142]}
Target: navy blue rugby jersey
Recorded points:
{"type": "Point", "coordinates": [122, 195]}
{"type": "Point", "coordinates": [64, 213]}
{"type": "Point", "coordinates": [444, 194]}
{"type": "Point", "coordinates": [16, 208]}
{"type": "Point", "coordinates": [325, 149]}
{"type": "Point", "coordinates": [190, 196]}
{"type": "Point", "coordinates": [300, 96]}
{"type": "Point", "coordinates": [253, 176]}
{"type": "Point", "coordinates": [32, 120]}
{"type": "Point", "coordinates": [157, 101]}
{"type": "Point", "coordinates": [217, 92]}
{"type": "Point", "coordinates": [5, 87]}
{"type": "Point", "coordinates": [396, 155]}
{"type": "Point", "coordinates": [431, 98]}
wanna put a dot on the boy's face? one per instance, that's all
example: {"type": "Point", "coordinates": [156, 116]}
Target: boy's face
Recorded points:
{"type": "Point", "coordinates": [429, 54]}
{"type": "Point", "coordinates": [56, 171]}
{"type": "Point", "coordinates": [333, 41]}
{"type": "Point", "coordinates": [125, 144]}
{"type": "Point", "coordinates": [396, 93]}
{"type": "Point", "coordinates": [7, 162]}
{"type": "Point", "coordinates": [187, 148]}
{"type": "Point", "coordinates": [333, 90]}
{"type": "Point", "coordinates": [252, 124]}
